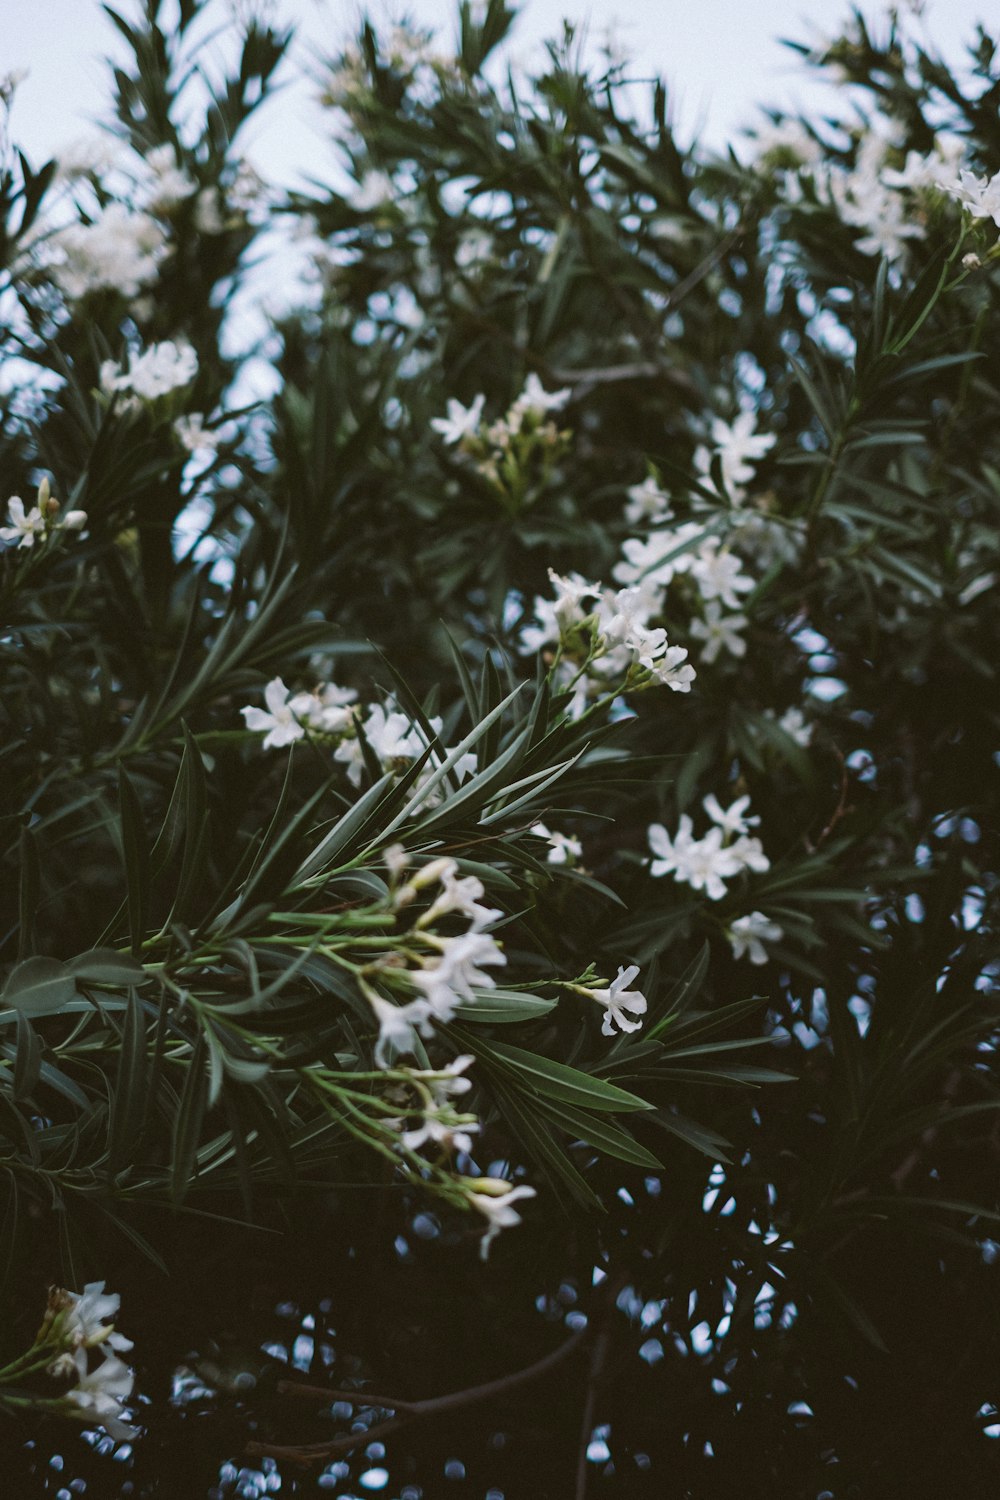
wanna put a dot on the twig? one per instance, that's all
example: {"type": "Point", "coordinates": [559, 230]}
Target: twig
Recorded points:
{"type": "Point", "coordinates": [433, 1406]}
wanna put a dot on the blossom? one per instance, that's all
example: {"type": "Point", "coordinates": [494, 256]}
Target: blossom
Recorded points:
{"type": "Point", "coordinates": [979, 195]}
{"type": "Point", "coordinates": [669, 672]}
{"type": "Point", "coordinates": [535, 401]}
{"type": "Point", "coordinates": [327, 709]}
{"type": "Point", "coordinates": [440, 1122]}
{"type": "Point", "coordinates": [493, 1198]}
{"type": "Point", "coordinates": [793, 721]}
{"type": "Point", "coordinates": [461, 422]}
{"type": "Point", "coordinates": [719, 574]}
{"type": "Point", "coordinates": [705, 864]}
{"type": "Point", "coordinates": [647, 502]}
{"type": "Point", "coordinates": [119, 250]}
{"type": "Point", "coordinates": [448, 980]}
{"type": "Point", "coordinates": [669, 852]}
{"type": "Point", "coordinates": [279, 724]}
{"type": "Point", "coordinates": [720, 632]}
{"type": "Point", "coordinates": [25, 526]}
{"type": "Point", "coordinates": [732, 819]}
{"type": "Point", "coordinates": [748, 934]}
{"type": "Point", "coordinates": [563, 849]}
{"type": "Point", "coordinates": [739, 447]}
{"type": "Point", "coordinates": [101, 1393]}
{"type": "Point", "coordinates": [658, 560]}
{"type": "Point", "coordinates": [621, 1003]}
{"type": "Point", "coordinates": [158, 370]}
{"type": "Point", "coordinates": [462, 896]}
{"type": "Point", "coordinates": [89, 1318]}
{"type": "Point", "coordinates": [398, 1026]}
{"type": "Point", "coordinates": [749, 853]}
{"type": "Point", "coordinates": [193, 435]}
{"type": "Point", "coordinates": [171, 184]}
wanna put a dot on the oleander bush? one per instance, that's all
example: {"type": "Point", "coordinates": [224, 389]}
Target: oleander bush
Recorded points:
{"type": "Point", "coordinates": [518, 729]}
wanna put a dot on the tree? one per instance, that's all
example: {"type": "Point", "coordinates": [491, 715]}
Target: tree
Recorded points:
{"type": "Point", "coordinates": [543, 755]}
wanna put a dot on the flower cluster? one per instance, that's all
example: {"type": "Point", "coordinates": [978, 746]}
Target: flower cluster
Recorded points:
{"type": "Point", "coordinates": [601, 641]}
{"type": "Point", "coordinates": [76, 1326]}
{"type": "Point", "coordinates": [434, 973]}
{"type": "Point", "coordinates": [39, 523]}
{"type": "Point", "coordinates": [705, 864]}
{"type": "Point", "coordinates": [160, 369]}
{"type": "Point", "coordinates": [517, 452]}
{"type": "Point", "coordinates": [119, 250]}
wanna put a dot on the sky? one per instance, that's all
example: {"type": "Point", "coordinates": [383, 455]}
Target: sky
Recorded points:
{"type": "Point", "coordinates": [722, 58]}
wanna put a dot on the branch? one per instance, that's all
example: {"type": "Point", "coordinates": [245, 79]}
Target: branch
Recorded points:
{"type": "Point", "coordinates": [433, 1406]}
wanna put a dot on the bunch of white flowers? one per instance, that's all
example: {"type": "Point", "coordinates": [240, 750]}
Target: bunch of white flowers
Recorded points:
{"type": "Point", "coordinates": [705, 864]}
{"type": "Point", "coordinates": [42, 521]}
{"type": "Point", "coordinates": [76, 1324]}
{"type": "Point", "coordinates": [160, 369]}
{"type": "Point", "coordinates": [604, 640]}
{"type": "Point", "coordinates": [121, 250]}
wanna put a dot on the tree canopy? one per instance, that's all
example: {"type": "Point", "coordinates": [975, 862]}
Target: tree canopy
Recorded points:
{"type": "Point", "coordinates": [499, 792]}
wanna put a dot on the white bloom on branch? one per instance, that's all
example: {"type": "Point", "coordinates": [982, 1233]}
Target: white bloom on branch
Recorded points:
{"type": "Point", "coordinates": [563, 847]}
{"type": "Point", "coordinates": [732, 819]}
{"type": "Point", "coordinates": [980, 196]}
{"type": "Point", "coordinates": [647, 503]}
{"type": "Point", "coordinates": [749, 852]}
{"type": "Point", "coordinates": [461, 895]}
{"type": "Point", "coordinates": [536, 401]}
{"type": "Point", "coordinates": [720, 632]}
{"type": "Point", "coordinates": [669, 851]}
{"type": "Point", "coordinates": [398, 1026]}
{"type": "Point", "coordinates": [705, 864]}
{"type": "Point", "coordinates": [120, 250]}
{"type": "Point", "coordinates": [279, 723]}
{"type": "Point", "coordinates": [461, 422]}
{"type": "Point", "coordinates": [621, 1004]}
{"type": "Point", "coordinates": [89, 1318]}
{"type": "Point", "coordinates": [440, 1122]}
{"type": "Point", "coordinates": [452, 978]}
{"type": "Point", "coordinates": [25, 526]}
{"type": "Point", "coordinates": [747, 935]}
{"type": "Point", "coordinates": [101, 1394]}
{"type": "Point", "coordinates": [719, 574]}
{"type": "Point", "coordinates": [740, 447]}
{"type": "Point", "coordinates": [493, 1198]}
{"type": "Point", "coordinates": [160, 369]}
{"type": "Point", "coordinates": [193, 435]}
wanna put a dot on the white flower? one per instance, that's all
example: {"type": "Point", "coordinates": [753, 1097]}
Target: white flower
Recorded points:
{"type": "Point", "coordinates": [120, 250]}
{"type": "Point", "coordinates": [535, 401]}
{"type": "Point", "coordinates": [158, 370]}
{"type": "Point", "coordinates": [170, 184]}
{"type": "Point", "coordinates": [719, 575]}
{"type": "Point", "coordinates": [25, 526]}
{"type": "Point", "coordinates": [398, 1026]}
{"type": "Point", "coordinates": [749, 854]}
{"type": "Point", "coordinates": [793, 721]}
{"type": "Point", "coordinates": [647, 502]}
{"type": "Point", "coordinates": [979, 195]}
{"type": "Point", "coordinates": [448, 981]}
{"type": "Point", "coordinates": [279, 723]}
{"type": "Point", "coordinates": [495, 1203]}
{"type": "Point", "coordinates": [786, 138]}
{"type": "Point", "coordinates": [739, 447]}
{"type": "Point", "coordinates": [560, 615]}
{"type": "Point", "coordinates": [563, 847]}
{"type": "Point", "coordinates": [73, 520]}
{"type": "Point", "coordinates": [440, 1122]}
{"type": "Point", "coordinates": [461, 422]}
{"type": "Point", "coordinates": [374, 190]}
{"type": "Point", "coordinates": [669, 672]}
{"type": "Point", "coordinates": [656, 561]}
{"type": "Point", "coordinates": [705, 864]}
{"type": "Point", "coordinates": [621, 1003]}
{"type": "Point", "coordinates": [193, 435]}
{"type": "Point", "coordinates": [327, 709]}
{"type": "Point", "coordinates": [461, 895]}
{"type": "Point", "coordinates": [669, 852]}
{"type": "Point", "coordinates": [90, 1317]}
{"type": "Point", "coordinates": [749, 934]}
{"type": "Point", "coordinates": [732, 819]}
{"type": "Point", "coordinates": [101, 1394]}
{"type": "Point", "coordinates": [720, 632]}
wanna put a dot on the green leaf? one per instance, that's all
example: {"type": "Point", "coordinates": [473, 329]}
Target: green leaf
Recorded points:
{"type": "Point", "coordinates": [555, 1080]}
{"type": "Point", "coordinates": [135, 853]}
{"type": "Point", "coordinates": [597, 1132]}
{"type": "Point", "coordinates": [106, 966]}
{"type": "Point", "coordinates": [38, 987]}
{"type": "Point", "coordinates": [504, 1007]}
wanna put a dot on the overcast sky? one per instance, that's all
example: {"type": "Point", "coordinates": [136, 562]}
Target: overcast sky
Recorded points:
{"type": "Point", "coordinates": [721, 57]}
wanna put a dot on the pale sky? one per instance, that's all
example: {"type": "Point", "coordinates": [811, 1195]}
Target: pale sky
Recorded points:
{"type": "Point", "coordinates": [721, 57]}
